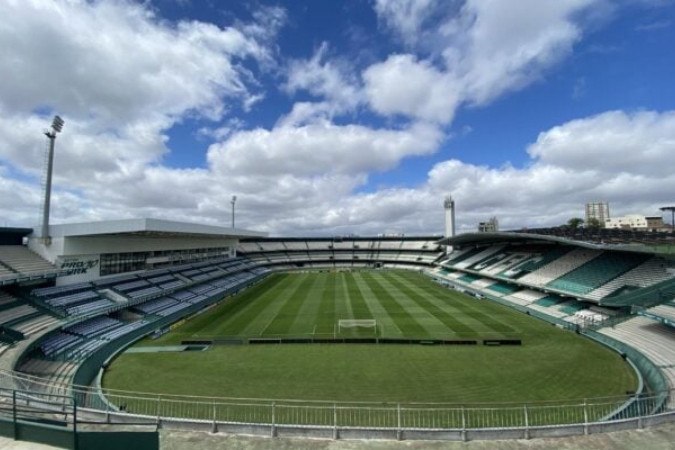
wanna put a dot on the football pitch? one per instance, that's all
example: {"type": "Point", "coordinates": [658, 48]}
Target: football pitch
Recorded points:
{"type": "Point", "coordinates": [402, 304]}
{"type": "Point", "coordinates": [551, 364]}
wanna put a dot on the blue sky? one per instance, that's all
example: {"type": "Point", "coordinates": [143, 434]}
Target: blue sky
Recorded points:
{"type": "Point", "coordinates": [331, 117]}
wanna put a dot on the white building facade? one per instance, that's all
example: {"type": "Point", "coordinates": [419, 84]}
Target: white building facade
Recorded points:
{"type": "Point", "coordinates": [89, 251]}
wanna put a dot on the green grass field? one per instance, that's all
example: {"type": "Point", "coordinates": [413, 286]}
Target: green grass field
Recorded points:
{"type": "Point", "coordinates": [552, 364]}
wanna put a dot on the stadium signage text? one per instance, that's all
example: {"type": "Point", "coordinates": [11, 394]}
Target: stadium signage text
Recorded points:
{"type": "Point", "coordinates": [77, 267]}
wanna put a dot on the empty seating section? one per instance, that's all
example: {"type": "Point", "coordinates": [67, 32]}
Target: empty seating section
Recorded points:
{"type": "Point", "coordinates": [172, 284]}
{"type": "Point", "coordinates": [559, 267]}
{"type": "Point", "coordinates": [183, 295]}
{"type": "Point", "coordinates": [6, 272]}
{"type": "Point", "coordinates": [525, 297]}
{"type": "Point", "coordinates": [121, 331]}
{"type": "Point", "coordinates": [597, 272]}
{"type": "Point", "coordinates": [72, 299]}
{"type": "Point", "coordinates": [654, 340]}
{"type": "Point", "coordinates": [144, 292]}
{"type": "Point", "coordinates": [340, 252]}
{"type": "Point", "coordinates": [15, 313]}
{"type": "Point", "coordinates": [160, 279]}
{"type": "Point", "coordinates": [540, 258]}
{"type": "Point", "coordinates": [468, 278]}
{"type": "Point", "coordinates": [60, 290]}
{"type": "Point", "coordinates": [6, 298]}
{"type": "Point", "coordinates": [115, 280]}
{"type": "Point", "coordinates": [130, 286]}
{"type": "Point", "coordinates": [89, 308]}
{"type": "Point", "coordinates": [153, 306]}
{"type": "Point", "coordinates": [504, 264]}
{"type": "Point", "coordinates": [649, 273]}
{"type": "Point", "coordinates": [483, 283]}
{"type": "Point", "coordinates": [503, 289]}
{"type": "Point", "coordinates": [92, 327]}
{"type": "Point", "coordinates": [58, 343]}
{"type": "Point", "coordinates": [35, 324]}
{"type": "Point", "coordinates": [666, 311]}
{"type": "Point", "coordinates": [20, 259]}
{"type": "Point", "coordinates": [481, 255]}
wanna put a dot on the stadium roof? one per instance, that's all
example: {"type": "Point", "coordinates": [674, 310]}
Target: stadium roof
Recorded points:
{"type": "Point", "coordinates": [149, 228]}
{"type": "Point", "coordinates": [513, 237]}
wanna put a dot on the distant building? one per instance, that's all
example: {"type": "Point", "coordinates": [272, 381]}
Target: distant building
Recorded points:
{"type": "Point", "coordinates": [636, 222]}
{"type": "Point", "coordinates": [597, 210]}
{"type": "Point", "coordinates": [491, 226]}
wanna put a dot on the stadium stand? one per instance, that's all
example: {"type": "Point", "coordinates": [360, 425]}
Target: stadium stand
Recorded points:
{"type": "Point", "coordinates": [18, 260]}
{"type": "Point", "coordinates": [654, 340]}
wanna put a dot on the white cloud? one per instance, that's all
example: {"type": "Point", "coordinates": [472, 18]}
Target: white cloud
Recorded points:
{"type": "Point", "coordinates": [403, 85]}
{"type": "Point", "coordinates": [116, 62]}
{"type": "Point", "coordinates": [321, 147]}
{"type": "Point", "coordinates": [476, 53]}
{"type": "Point", "coordinates": [329, 79]}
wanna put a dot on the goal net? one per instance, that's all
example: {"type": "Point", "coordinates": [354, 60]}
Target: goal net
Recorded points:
{"type": "Point", "coordinates": [357, 324]}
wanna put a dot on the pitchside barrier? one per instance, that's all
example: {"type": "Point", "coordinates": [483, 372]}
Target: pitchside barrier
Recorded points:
{"type": "Point", "coordinates": [350, 340]}
{"type": "Point", "coordinates": [342, 420]}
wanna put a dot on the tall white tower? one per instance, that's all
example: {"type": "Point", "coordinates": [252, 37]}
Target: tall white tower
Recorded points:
{"type": "Point", "coordinates": [449, 205]}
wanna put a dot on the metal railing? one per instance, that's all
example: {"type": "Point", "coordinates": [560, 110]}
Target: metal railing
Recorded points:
{"type": "Point", "coordinates": [341, 415]}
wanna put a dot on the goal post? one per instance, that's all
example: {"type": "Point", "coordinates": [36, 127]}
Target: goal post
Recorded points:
{"type": "Point", "coordinates": [357, 324]}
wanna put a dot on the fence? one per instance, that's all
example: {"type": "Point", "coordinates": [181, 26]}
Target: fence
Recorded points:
{"type": "Point", "coordinates": [368, 419]}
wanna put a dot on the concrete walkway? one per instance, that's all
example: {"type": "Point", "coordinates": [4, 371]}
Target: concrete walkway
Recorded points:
{"type": "Point", "coordinates": [11, 444]}
{"type": "Point", "coordinates": [661, 438]}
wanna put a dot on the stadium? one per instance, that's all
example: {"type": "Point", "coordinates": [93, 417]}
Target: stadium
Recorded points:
{"type": "Point", "coordinates": [409, 267]}
{"type": "Point", "coordinates": [475, 336]}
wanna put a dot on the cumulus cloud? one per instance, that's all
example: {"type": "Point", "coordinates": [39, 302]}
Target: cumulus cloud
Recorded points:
{"type": "Point", "coordinates": [477, 52]}
{"type": "Point", "coordinates": [122, 78]}
{"type": "Point", "coordinates": [321, 147]}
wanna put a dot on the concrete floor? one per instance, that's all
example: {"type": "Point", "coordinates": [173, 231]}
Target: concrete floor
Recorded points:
{"type": "Point", "coordinates": [661, 438]}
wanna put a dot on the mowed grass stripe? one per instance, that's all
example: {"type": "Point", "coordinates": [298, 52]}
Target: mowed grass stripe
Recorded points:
{"type": "Point", "coordinates": [400, 310]}
{"type": "Point", "coordinates": [360, 309]}
{"type": "Point", "coordinates": [307, 316]}
{"type": "Point", "coordinates": [343, 306]}
{"type": "Point", "coordinates": [453, 324]}
{"type": "Point", "coordinates": [469, 308]}
{"type": "Point", "coordinates": [384, 320]}
{"type": "Point", "coordinates": [236, 324]}
{"type": "Point", "coordinates": [283, 312]}
{"type": "Point", "coordinates": [325, 320]}
{"type": "Point", "coordinates": [357, 305]}
{"type": "Point", "coordinates": [237, 312]}
{"type": "Point", "coordinates": [445, 301]}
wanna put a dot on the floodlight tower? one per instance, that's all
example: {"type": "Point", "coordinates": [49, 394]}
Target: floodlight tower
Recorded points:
{"type": "Point", "coordinates": [233, 201]}
{"type": "Point", "coordinates": [449, 205]}
{"type": "Point", "coordinates": [57, 126]}
{"type": "Point", "coordinates": [672, 216]}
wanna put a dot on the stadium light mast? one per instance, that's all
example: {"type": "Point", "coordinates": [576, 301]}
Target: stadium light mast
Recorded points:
{"type": "Point", "coordinates": [233, 201]}
{"type": "Point", "coordinates": [672, 216]}
{"type": "Point", "coordinates": [57, 126]}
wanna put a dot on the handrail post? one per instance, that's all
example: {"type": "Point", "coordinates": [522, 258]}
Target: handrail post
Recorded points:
{"type": "Point", "coordinates": [335, 421]}
{"type": "Point", "coordinates": [273, 431]}
{"type": "Point", "coordinates": [463, 433]}
{"type": "Point", "coordinates": [527, 422]}
{"type": "Point", "coordinates": [585, 417]}
{"type": "Point", "coordinates": [159, 405]}
{"type": "Point", "coordinates": [214, 427]}
{"type": "Point", "coordinates": [74, 424]}
{"type": "Point", "coordinates": [14, 413]}
{"type": "Point", "coordinates": [399, 432]}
